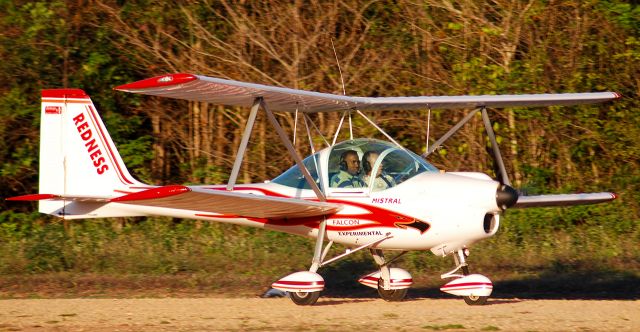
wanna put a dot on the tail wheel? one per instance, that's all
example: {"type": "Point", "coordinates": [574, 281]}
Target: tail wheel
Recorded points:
{"type": "Point", "coordinates": [304, 298]}
{"type": "Point", "coordinates": [475, 300]}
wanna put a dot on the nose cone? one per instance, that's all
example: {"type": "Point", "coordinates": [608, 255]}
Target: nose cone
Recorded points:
{"type": "Point", "coordinates": [506, 196]}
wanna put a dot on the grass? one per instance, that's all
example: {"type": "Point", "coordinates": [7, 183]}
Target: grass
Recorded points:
{"type": "Point", "coordinates": [145, 257]}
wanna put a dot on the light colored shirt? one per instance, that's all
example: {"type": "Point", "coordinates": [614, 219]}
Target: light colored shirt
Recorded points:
{"type": "Point", "coordinates": [381, 182]}
{"type": "Point", "coordinates": [346, 180]}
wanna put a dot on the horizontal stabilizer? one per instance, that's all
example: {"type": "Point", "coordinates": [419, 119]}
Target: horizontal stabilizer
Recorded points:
{"type": "Point", "coordinates": [51, 197]}
{"type": "Point", "coordinates": [235, 93]}
{"type": "Point", "coordinates": [564, 199]}
{"type": "Point", "coordinates": [227, 203]}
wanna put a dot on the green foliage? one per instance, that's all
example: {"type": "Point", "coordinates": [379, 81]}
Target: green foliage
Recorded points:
{"type": "Point", "coordinates": [400, 48]}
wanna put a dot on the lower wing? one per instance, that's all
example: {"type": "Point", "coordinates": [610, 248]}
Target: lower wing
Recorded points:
{"type": "Point", "coordinates": [208, 200]}
{"type": "Point", "coordinates": [564, 199]}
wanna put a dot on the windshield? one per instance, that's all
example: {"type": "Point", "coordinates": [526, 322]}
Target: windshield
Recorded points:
{"type": "Point", "coordinates": [294, 178]}
{"type": "Point", "coordinates": [392, 167]}
{"type": "Point", "coordinates": [352, 163]}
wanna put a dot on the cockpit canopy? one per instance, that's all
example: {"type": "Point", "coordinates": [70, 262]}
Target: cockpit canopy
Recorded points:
{"type": "Point", "coordinates": [361, 163]}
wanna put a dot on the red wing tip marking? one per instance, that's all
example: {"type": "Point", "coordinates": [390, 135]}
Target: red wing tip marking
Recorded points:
{"type": "Point", "coordinates": [32, 197]}
{"type": "Point", "coordinates": [158, 81]}
{"type": "Point", "coordinates": [153, 193]}
{"type": "Point", "coordinates": [614, 196]}
{"type": "Point", "coordinates": [64, 93]}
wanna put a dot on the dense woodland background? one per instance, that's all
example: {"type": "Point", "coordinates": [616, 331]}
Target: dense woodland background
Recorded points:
{"type": "Point", "coordinates": [431, 47]}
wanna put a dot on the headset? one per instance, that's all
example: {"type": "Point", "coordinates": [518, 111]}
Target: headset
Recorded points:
{"type": "Point", "coordinates": [343, 156]}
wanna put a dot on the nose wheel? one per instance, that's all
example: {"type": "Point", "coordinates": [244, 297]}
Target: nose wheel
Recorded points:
{"type": "Point", "coordinates": [473, 288]}
{"type": "Point", "coordinates": [475, 300]}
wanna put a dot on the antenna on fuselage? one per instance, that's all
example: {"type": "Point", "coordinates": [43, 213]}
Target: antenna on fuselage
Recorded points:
{"type": "Point", "coordinates": [344, 93]}
{"type": "Point", "coordinates": [344, 90]}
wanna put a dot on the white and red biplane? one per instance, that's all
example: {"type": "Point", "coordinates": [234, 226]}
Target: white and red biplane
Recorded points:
{"type": "Point", "coordinates": [362, 193]}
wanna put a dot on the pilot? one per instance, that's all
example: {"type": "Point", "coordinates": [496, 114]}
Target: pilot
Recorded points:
{"type": "Point", "coordinates": [349, 175]}
{"type": "Point", "coordinates": [382, 180]}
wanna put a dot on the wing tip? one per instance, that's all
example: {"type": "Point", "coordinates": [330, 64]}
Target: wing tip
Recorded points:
{"type": "Point", "coordinates": [158, 82]}
{"type": "Point", "coordinates": [32, 197]}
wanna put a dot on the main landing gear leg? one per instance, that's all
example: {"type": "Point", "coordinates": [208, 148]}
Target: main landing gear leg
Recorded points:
{"type": "Point", "coordinates": [310, 298]}
{"type": "Point", "coordinates": [384, 283]}
{"type": "Point", "coordinates": [461, 263]}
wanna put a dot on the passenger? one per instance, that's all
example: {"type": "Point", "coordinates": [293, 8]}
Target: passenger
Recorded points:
{"type": "Point", "coordinates": [349, 175]}
{"type": "Point", "coordinates": [382, 180]}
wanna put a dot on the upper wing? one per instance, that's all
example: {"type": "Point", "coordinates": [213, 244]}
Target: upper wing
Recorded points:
{"type": "Point", "coordinates": [563, 199]}
{"type": "Point", "coordinates": [236, 93]}
{"type": "Point", "coordinates": [211, 201]}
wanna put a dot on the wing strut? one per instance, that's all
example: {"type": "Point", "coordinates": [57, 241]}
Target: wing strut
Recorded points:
{"type": "Point", "coordinates": [307, 118]}
{"type": "Point", "coordinates": [497, 156]}
{"type": "Point", "coordinates": [322, 228]}
{"type": "Point", "coordinates": [450, 133]}
{"type": "Point", "coordinates": [292, 151]}
{"type": "Point", "coordinates": [243, 143]}
{"type": "Point", "coordinates": [258, 103]}
{"type": "Point", "coordinates": [335, 136]}
{"type": "Point", "coordinates": [380, 129]}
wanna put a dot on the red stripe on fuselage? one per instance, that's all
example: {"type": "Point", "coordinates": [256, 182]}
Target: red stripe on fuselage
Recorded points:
{"type": "Point", "coordinates": [378, 216]}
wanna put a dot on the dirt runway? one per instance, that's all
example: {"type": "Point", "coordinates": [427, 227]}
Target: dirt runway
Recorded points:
{"type": "Point", "coordinates": [330, 314]}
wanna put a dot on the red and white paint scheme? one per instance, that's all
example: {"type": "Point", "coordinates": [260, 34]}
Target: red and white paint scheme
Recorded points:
{"type": "Point", "coordinates": [400, 202]}
{"type": "Point", "coordinates": [303, 281]}
{"type": "Point", "coordinates": [469, 285]}
{"type": "Point", "coordinates": [474, 288]}
{"type": "Point", "coordinates": [398, 279]}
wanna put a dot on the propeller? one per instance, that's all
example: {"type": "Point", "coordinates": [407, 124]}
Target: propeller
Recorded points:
{"type": "Point", "coordinates": [506, 195]}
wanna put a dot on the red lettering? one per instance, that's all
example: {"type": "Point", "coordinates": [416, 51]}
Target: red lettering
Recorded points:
{"type": "Point", "coordinates": [78, 118]}
{"type": "Point", "coordinates": [98, 161]}
{"type": "Point", "coordinates": [102, 169]}
{"type": "Point", "coordinates": [86, 135]}
{"type": "Point", "coordinates": [91, 145]}
{"type": "Point", "coordinates": [82, 127]}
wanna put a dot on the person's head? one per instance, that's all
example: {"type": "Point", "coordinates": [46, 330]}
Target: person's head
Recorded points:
{"type": "Point", "coordinates": [349, 162]}
{"type": "Point", "coordinates": [368, 160]}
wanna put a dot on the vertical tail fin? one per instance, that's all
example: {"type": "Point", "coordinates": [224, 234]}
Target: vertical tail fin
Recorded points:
{"type": "Point", "coordinates": [77, 155]}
